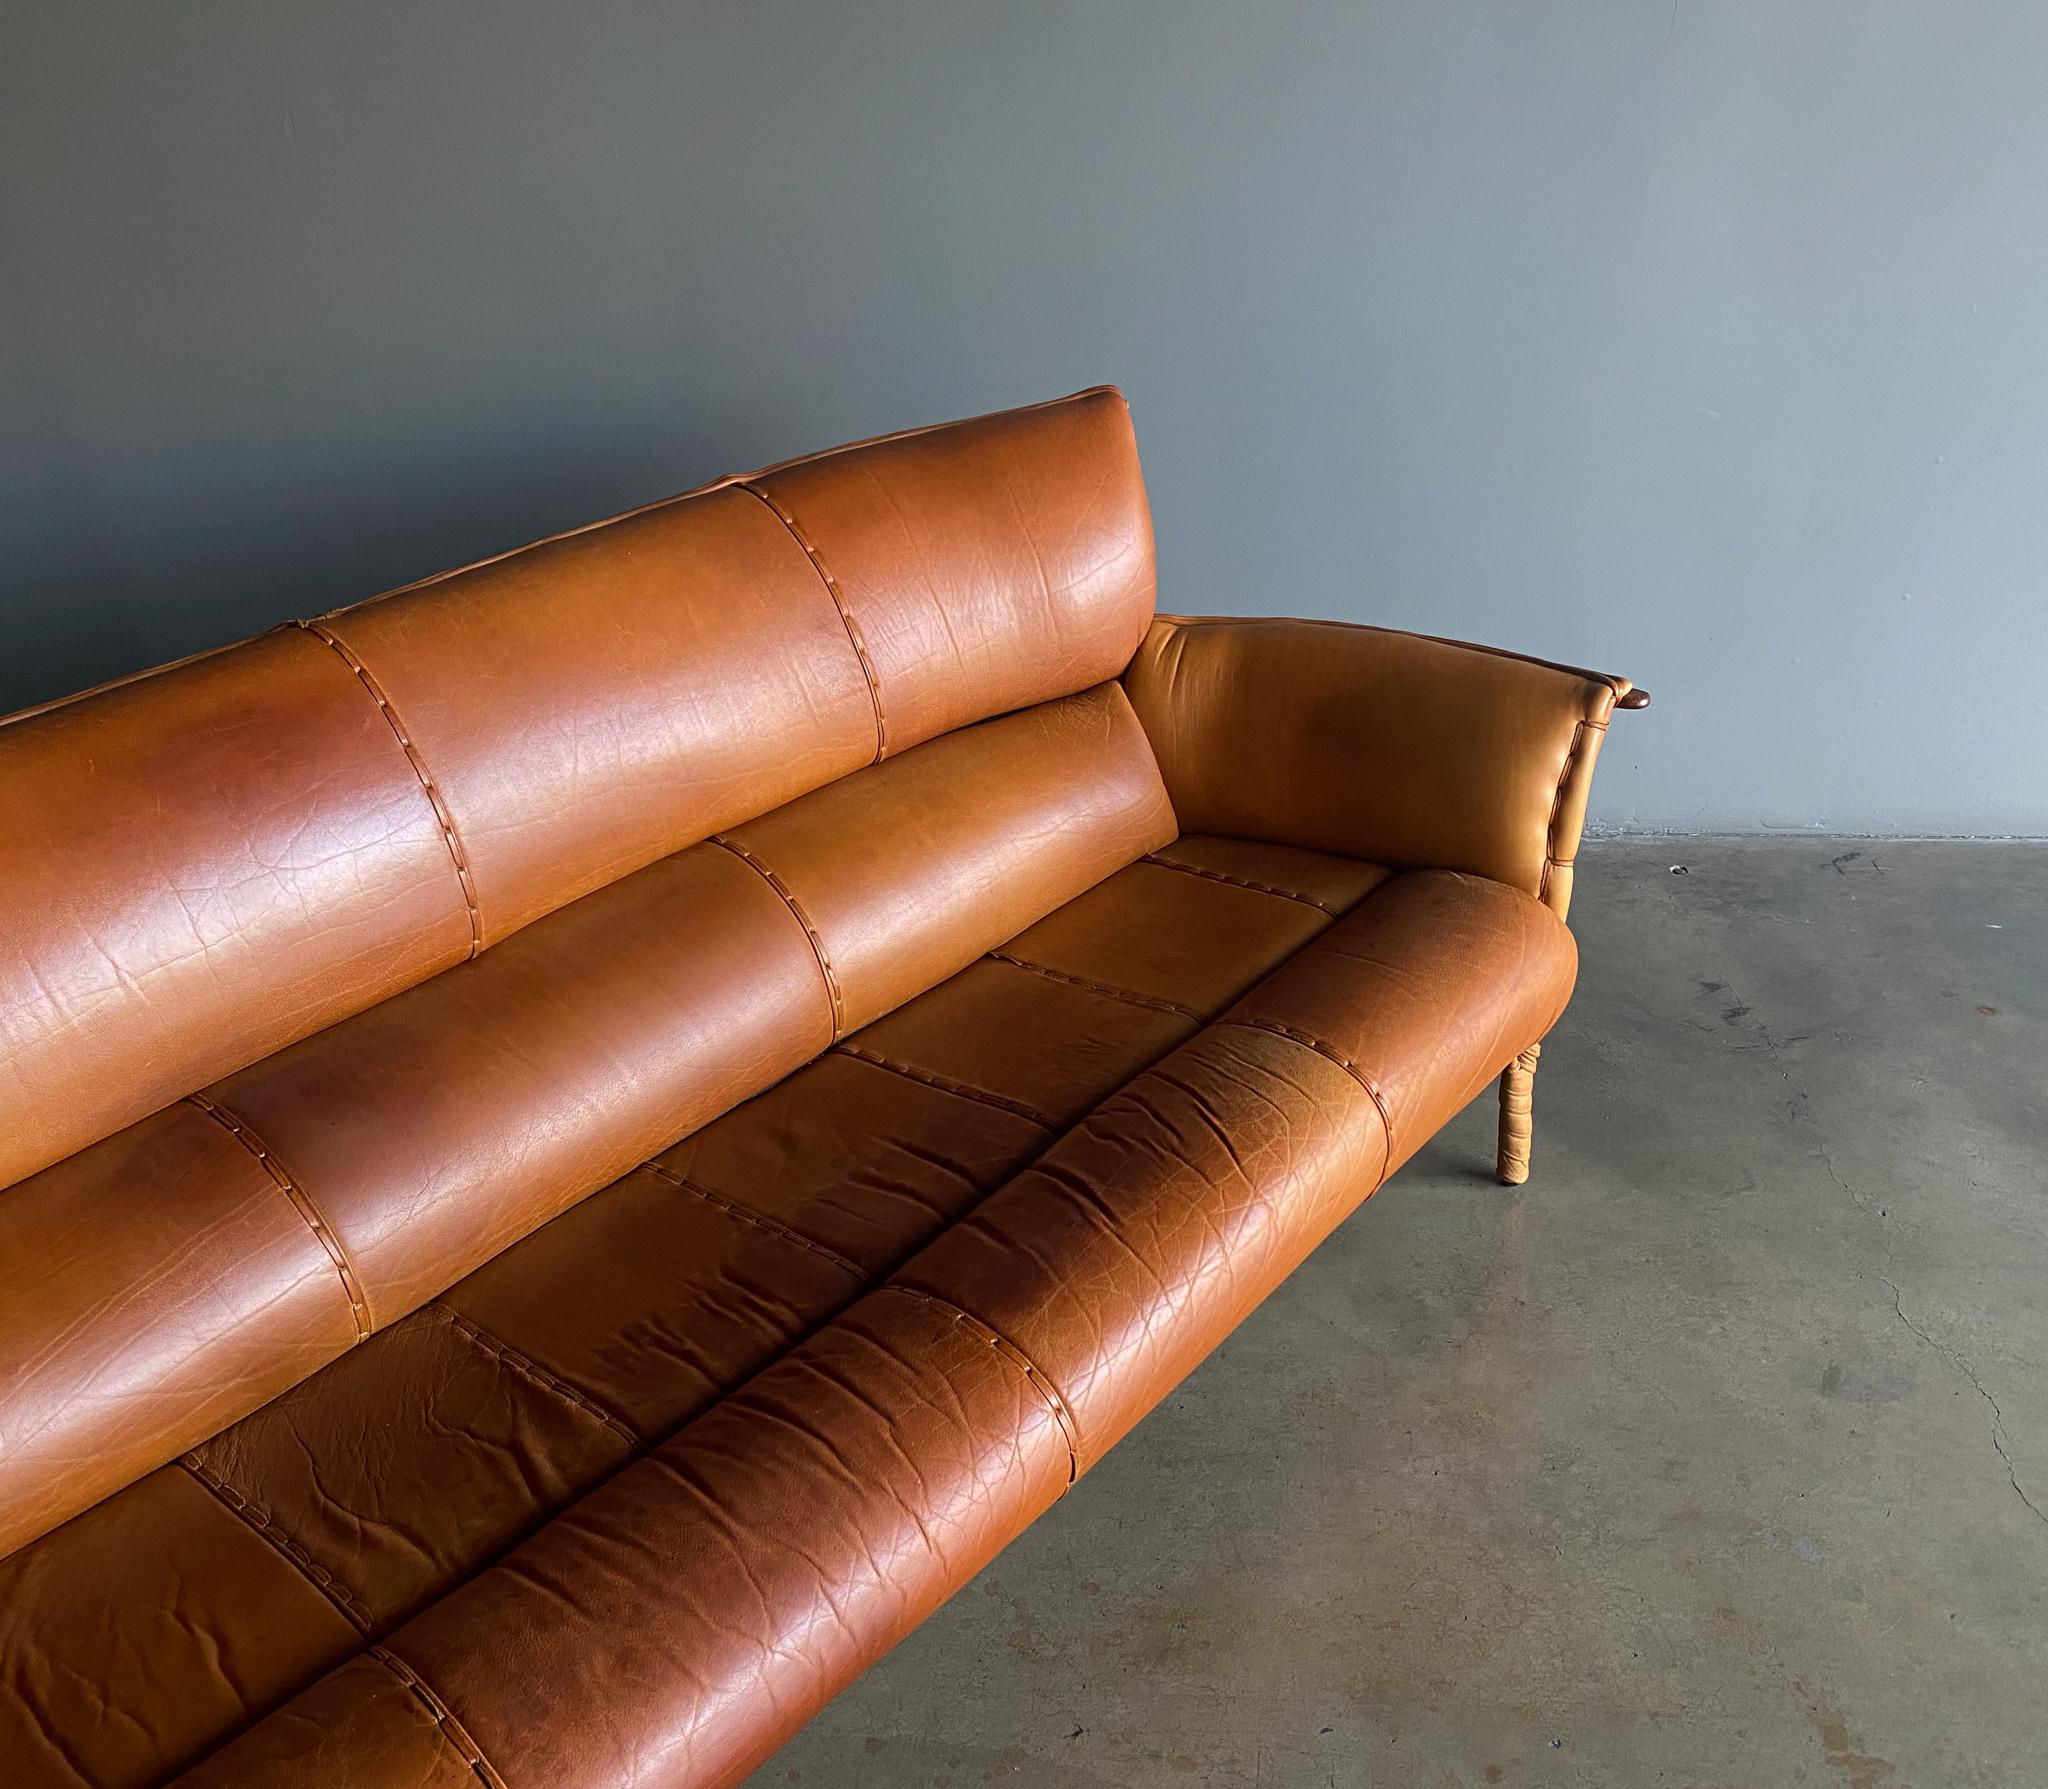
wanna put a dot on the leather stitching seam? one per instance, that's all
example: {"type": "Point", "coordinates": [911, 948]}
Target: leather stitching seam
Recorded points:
{"type": "Point", "coordinates": [1551, 860]}
{"type": "Point", "coordinates": [1016, 1356]}
{"type": "Point", "coordinates": [803, 919]}
{"type": "Point", "coordinates": [1100, 987]}
{"type": "Point", "coordinates": [419, 769]}
{"type": "Point", "coordinates": [946, 1084]}
{"type": "Point", "coordinates": [267, 1527]}
{"type": "Point", "coordinates": [452, 1730]}
{"type": "Point", "coordinates": [510, 1357]}
{"type": "Point", "coordinates": [302, 1202]}
{"type": "Point", "coordinates": [853, 632]}
{"type": "Point", "coordinates": [1195, 869]}
{"type": "Point", "coordinates": [1329, 1054]}
{"type": "Point", "coordinates": [760, 1220]}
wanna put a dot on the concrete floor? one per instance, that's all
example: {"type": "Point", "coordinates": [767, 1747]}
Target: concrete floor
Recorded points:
{"type": "Point", "coordinates": [1716, 1456]}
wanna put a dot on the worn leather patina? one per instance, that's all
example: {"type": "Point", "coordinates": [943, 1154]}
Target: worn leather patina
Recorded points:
{"type": "Point", "coordinates": [586, 1140]}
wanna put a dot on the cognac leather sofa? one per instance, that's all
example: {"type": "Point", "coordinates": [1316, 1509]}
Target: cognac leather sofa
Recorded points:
{"type": "Point", "coordinates": [585, 1141]}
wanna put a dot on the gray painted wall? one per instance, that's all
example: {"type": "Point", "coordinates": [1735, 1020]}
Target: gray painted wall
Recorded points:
{"type": "Point", "coordinates": [1702, 341]}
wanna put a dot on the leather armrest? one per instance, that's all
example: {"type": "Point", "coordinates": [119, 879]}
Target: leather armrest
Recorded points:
{"type": "Point", "coordinates": [1395, 747]}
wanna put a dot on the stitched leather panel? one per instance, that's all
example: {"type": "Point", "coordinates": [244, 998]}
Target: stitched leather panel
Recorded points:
{"type": "Point", "coordinates": [391, 1474]}
{"type": "Point", "coordinates": [458, 854]}
{"type": "Point", "coordinates": [138, 1634]}
{"type": "Point", "coordinates": [911, 870]}
{"type": "Point", "coordinates": [1426, 993]}
{"type": "Point", "coordinates": [860, 1160]}
{"type": "Point", "coordinates": [986, 566]}
{"type": "Point", "coordinates": [1148, 1233]}
{"type": "Point", "coordinates": [657, 1297]}
{"type": "Point", "coordinates": [838, 1497]}
{"type": "Point", "coordinates": [449, 1122]}
{"type": "Point", "coordinates": [1097, 1277]}
{"type": "Point", "coordinates": [855, 637]}
{"type": "Point", "coordinates": [365, 1725]}
{"type": "Point", "coordinates": [470, 1440]}
{"type": "Point", "coordinates": [1335, 884]}
{"type": "Point", "coordinates": [200, 868]}
{"type": "Point", "coordinates": [166, 1255]}
{"type": "Point", "coordinates": [1208, 940]}
{"type": "Point", "coordinates": [442, 1125]}
{"type": "Point", "coordinates": [211, 861]}
{"type": "Point", "coordinates": [592, 704]}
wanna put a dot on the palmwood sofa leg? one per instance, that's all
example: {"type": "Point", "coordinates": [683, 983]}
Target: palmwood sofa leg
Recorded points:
{"type": "Point", "coordinates": [1517, 1091]}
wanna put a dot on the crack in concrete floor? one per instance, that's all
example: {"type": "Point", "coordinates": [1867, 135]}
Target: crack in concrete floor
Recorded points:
{"type": "Point", "coordinates": [1956, 1359]}
{"type": "Point", "coordinates": [1802, 1113]}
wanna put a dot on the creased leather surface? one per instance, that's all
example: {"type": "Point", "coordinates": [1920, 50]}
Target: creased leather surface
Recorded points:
{"type": "Point", "coordinates": [209, 862]}
{"type": "Point", "coordinates": [889, 1457]}
{"type": "Point", "coordinates": [1388, 994]}
{"type": "Point", "coordinates": [594, 703]}
{"type": "Point", "coordinates": [635, 1110]}
{"type": "Point", "coordinates": [199, 868]}
{"type": "Point", "coordinates": [1140, 1241]}
{"type": "Point", "coordinates": [885, 1461]}
{"type": "Point", "coordinates": [157, 1287]}
{"type": "Point", "coordinates": [677, 1623]}
{"type": "Point", "coordinates": [423, 1136]}
{"type": "Point", "coordinates": [445, 1440]}
{"type": "Point", "coordinates": [135, 1635]}
{"type": "Point", "coordinates": [1147, 1234]}
{"type": "Point", "coordinates": [365, 1725]}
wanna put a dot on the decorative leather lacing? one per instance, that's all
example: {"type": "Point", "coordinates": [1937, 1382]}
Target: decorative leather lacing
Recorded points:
{"type": "Point", "coordinates": [789, 900]}
{"type": "Point", "coordinates": [449, 836]}
{"type": "Point", "coordinates": [760, 1220]}
{"type": "Point", "coordinates": [452, 1730]}
{"type": "Point", "coordinates": [1196, 869]}
{"type": "Point", "coordinates": [1329, 1053]}
{"type": "Point", "coordinates": [946, 1084]}
{"type": "Point", "coordinates": [1127, 995]}
{"type": "Point", "coordinates": [853, 632]}
{"type": "Point", "coordinates": [302, 1202]}
{"type": "Point", "coordinates": [1016, 1356]}
{"type": "Point", "coordinates": [270, 1530]}
{"type": "Point", "coordinates": [514, 1361]}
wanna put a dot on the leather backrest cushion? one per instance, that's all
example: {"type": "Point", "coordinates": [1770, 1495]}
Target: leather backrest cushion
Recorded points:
{"type": "Point", "coordinates": [986, 566]}
{"type": "Point", "coordinates": [596, 702]}
{"type": "Point", "coordinates": [909, 873]}
{"type": "Point", "coordinates": [206, 864]}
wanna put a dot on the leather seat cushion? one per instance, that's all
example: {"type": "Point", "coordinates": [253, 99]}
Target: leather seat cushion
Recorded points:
{"type": "Point", "coordinates": [801, 1373]}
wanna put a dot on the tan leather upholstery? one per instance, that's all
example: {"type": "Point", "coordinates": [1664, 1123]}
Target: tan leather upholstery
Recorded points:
{"type": "Point", "coordinates": [215, 861]}
{"type": "Point", "coordinates": [590, 1138]}
{"type": "Point", "coordinates": [1391, 746]}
